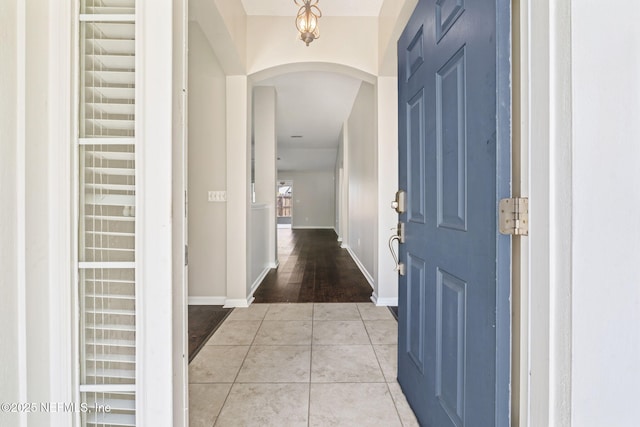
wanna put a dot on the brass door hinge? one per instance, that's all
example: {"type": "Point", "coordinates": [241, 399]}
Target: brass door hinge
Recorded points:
{"type": "Point", "coordinates": [513, 216]}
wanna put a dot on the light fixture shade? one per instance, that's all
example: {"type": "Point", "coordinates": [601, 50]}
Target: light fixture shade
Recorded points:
{"type": "Point", "coordinates": [307, 20]}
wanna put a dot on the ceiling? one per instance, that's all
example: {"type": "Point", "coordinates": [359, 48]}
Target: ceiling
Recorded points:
{"type": "Point", "coordinates": [311, 105]}
{"type": "Point", "coordinates": [328, 7]}
{"type": "Point", "coordinates": [311, 109]}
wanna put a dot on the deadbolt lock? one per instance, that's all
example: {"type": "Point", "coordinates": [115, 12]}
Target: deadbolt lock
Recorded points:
{"type": "Point", "coordinates": [399, 204]}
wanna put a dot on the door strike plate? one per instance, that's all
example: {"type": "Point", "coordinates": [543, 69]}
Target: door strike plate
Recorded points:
{"type": "Point", "coordinates": [513, 216]}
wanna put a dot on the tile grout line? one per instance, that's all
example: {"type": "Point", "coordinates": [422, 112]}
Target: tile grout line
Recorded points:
{"type": "Point", "coordinates": [241, 365]}
{"type": "Point", "coordinates": [313, 321]}
{"type": "Point", "coordinates": [382, 370]}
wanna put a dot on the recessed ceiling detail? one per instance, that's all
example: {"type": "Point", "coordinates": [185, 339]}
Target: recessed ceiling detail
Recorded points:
{"type": "Point", "coordinates": [312, 107]}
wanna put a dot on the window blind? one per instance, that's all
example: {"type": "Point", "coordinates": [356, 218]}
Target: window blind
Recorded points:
{"type": "Point", "coordinates": [107, 227]}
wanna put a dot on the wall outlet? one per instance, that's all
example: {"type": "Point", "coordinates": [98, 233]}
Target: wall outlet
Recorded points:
{"type": "Point", "coordinates": [217, 196]}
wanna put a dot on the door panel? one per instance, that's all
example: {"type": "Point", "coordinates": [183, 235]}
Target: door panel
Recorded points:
{"type": "Point", "coordinates": [451, 363]}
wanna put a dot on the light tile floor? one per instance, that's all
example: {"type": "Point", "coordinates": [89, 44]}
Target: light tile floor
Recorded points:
{"type": "Point", "coordinates": [328, 364]}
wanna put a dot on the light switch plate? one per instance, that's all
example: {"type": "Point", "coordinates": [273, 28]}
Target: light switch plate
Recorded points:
{"type": "Point", "coordinates": [217, 196]}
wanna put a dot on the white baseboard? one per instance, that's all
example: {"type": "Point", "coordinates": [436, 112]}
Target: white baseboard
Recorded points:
{"type": "Point", "coordinates": [206, 300]}
{"type": "Point", "coordinates": [393, 302]}
{"type": "Point", "coordinates": [274, 264]}
{"type": "Point", "coordinates": [257, 282]}
{"type": "Point", "coordinates": [239, 302]}
{"type": "Point", "coordinates": [313, 227]}
{"type": "Point", "coordinates": [361, 267]}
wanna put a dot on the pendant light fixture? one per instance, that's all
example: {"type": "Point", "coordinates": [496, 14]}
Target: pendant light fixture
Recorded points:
{"type": "Point", "coordinates": [307, 20]}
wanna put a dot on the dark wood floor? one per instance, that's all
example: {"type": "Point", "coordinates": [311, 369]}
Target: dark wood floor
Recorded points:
{"type": "Point", "coordinates": [313, 268]}
{"type": "Point", "coordinates": [203, 322]}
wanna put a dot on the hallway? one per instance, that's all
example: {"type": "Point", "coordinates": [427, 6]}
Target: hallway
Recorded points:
{"type": "Point", "coordinates": [313, 268]}
{"type": "Point", "coordinates": [300, 365]}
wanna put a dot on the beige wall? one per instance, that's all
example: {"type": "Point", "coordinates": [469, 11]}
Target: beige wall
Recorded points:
{"type": "Point", "coordinates": [313, 198]}
{"type": "Point", "coordinates": [207, 169]}
{"type": "Point", "coordinates": [363, 209]}
{"type": "Point", "coordinates": [349, 41]}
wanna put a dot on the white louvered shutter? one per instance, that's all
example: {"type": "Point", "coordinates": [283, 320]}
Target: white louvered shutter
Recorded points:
{"type": "Point", "coordinates": [106, 224]}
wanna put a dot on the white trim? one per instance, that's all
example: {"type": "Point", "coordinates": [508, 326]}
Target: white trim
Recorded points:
{"type": "Point", "coordinates": [313, 227]}
{"type": "Point", "coordinates": [545, 389]}
{"type": "Point", "coordinates": [60, 202]}
{"type": "Point", "coordinates": [275, 264]}
{"type": "Point", "coordinates": [561, 199]}
{"type": "Point", "coordinates": [154, 270]}
{"type": "Point", "coordinates": [207, 300]}
{"type": "Point", "coordinates": [238, 302]}
{"type": "Point", "coordinates": [384, 302]}
{"type": "Point", "coordinates": [259, 279]}
{"type": "Point", "coordinates": [364, 271]}
{"type": "Point", "coordinates": [180, 216]}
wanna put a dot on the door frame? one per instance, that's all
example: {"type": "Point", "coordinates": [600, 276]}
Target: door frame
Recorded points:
{"type": "Point", "coordinates": [542, 377]}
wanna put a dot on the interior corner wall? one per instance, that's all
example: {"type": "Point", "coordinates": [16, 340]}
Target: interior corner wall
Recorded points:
{"type": "Point", "coordinates": [339, 168]}
{"type": "Point", "coordinates": [362, 183]}
{"type": "Point", "coordinates": [207, 222]}
{"type": "Point", "coordinates": [605, 311]}
{"type": "Point", "coordinates": [313, 198]}
{"type": "Point", "coordinates": [9, 287]}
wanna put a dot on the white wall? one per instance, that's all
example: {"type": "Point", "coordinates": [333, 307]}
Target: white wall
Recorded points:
{"type": "Point", "coordinates": [238, 189]}
{"type": "Point", "coordinates": [207, 170]}
{"type": "Point", "coordinates": [351, 41]}
{"type": "Point", "coordinates": [362, 158]}
{"type": "Point", "coordinates": [606, 201]}
{"type": "Point", "coordinates": [9, 257]}
{"type": "Point", "coordinates": [260, 244]}
{"type": "Point", "coordinates": [265, 176]}
{"type": "Point", "coordinates": [35, 226]}
{"type": "Point", "coordinates": [394, 15]}
{"type": "Point", "coordinates": [313, 198]}
{"type": "Point", "coordinates": [386, 278]}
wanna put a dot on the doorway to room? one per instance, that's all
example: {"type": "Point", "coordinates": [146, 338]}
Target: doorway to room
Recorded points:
{"type": "Point", "coordinates": [284, 204]}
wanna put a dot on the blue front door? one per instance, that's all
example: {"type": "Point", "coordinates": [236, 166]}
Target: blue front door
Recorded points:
{"type": "Point", "coordinates": [454, 151]}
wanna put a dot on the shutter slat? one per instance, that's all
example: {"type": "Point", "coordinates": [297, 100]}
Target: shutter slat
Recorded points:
{"type": "Point", "coordinates": [112, 187]}
{"type": "Point", "coordinates": [111, 171]}
{"type": "Point", "coordinates": [110, 218]}
{"type": "Point", "coordinates": [101, 419]}
{"type": "Point", "coordinates": [110, 200]}
{"type": "Point", "coordinates": [111, 357]}
{"type": "Point", "coordinates": [106, 77]}
{"type": "Point", "coordinates": [111, 327]}
{"type": "Point", "coordinates": [113, 62]}
{"type": "Point", "coordinates": [117, 374]}
{"type": "Point", "coordinates": [113, 46]}
{"type": "Point", "coordinates": [113, 108]}
{"type": "Point", "coordinates": [127, 93]}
